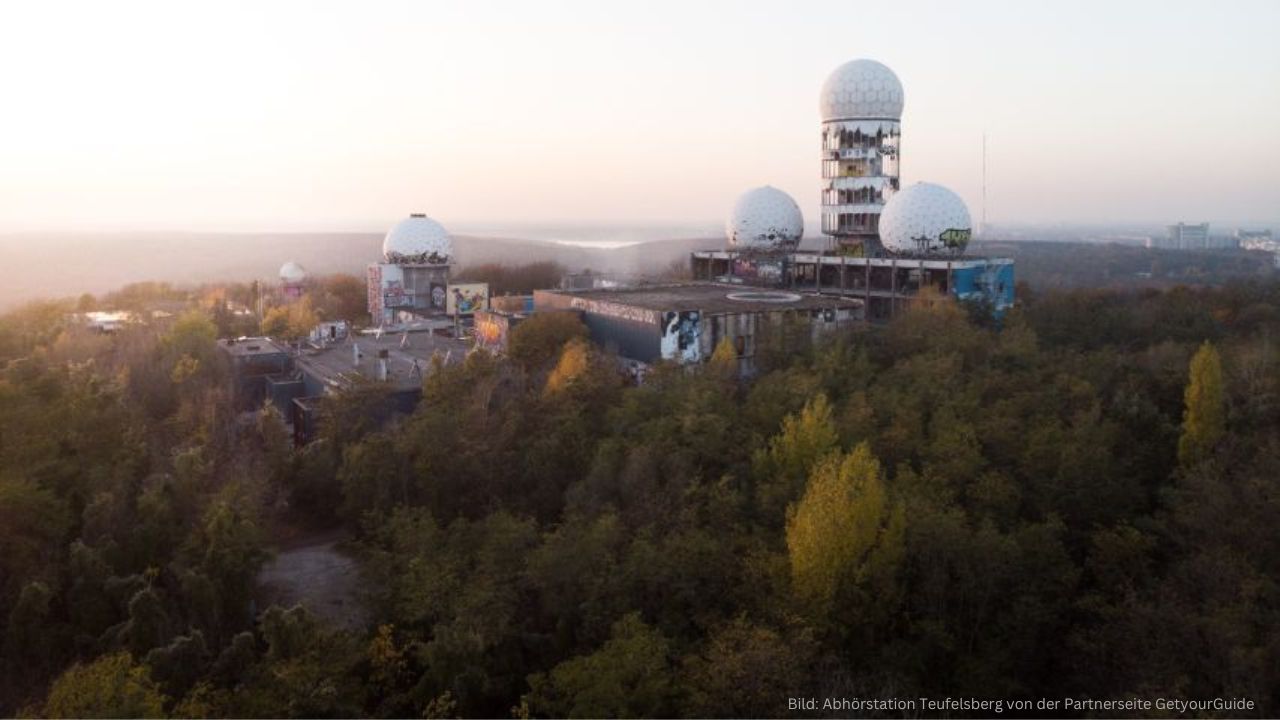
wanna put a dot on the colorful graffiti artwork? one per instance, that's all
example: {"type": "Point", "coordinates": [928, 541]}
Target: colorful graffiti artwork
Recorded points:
{"type": "Point", "coordinates": [491, 331]}
{"type": "Point", "coordinates": [757, 269]}
{"type": "Point", "coordinates": [955, 238]}
{"type": "Point", "coordinates": [386, 289]}
{"type": "Point", "coordinates": [438, 294]}
{"type": "Point", "coordinates": [993, 282]}
{"type": "Point", "coordinates": [681, 332]}
{"type": "Point", "coordinates": [467, 299]}
{"type": "Point", "coordinates": [395, 295]}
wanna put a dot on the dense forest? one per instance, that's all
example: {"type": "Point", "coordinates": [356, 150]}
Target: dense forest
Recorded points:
{"type": "Point", "coordinates": [1078, 501]}
{"type": "Point", "coordinates": [1063, 265]}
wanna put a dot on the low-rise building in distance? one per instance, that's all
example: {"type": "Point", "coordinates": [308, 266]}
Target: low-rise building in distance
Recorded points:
{"type": "Point", "coordinates": [1184, 236]}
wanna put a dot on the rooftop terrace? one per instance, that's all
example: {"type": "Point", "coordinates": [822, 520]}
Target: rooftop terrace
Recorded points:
{"type": "Point", "coordinates": [708, 297]}
{"type": "Point", "coordinates": [408, 357]}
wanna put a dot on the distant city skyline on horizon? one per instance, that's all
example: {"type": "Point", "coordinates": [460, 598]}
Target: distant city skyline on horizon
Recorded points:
{"type": "Point", "coordinates": [331, 117]}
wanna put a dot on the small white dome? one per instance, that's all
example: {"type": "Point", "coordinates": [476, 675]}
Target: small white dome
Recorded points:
{"type": "Point", "coordinates": [925, 218]}
{"type": "Point", "coordinates": [418, 239]}
{"type": "Point", "coordinates": [765, 218]}
{"type": "Point", "coordinates": [859, 90]}
{"type": "Point", "coordinates": [292, 273]}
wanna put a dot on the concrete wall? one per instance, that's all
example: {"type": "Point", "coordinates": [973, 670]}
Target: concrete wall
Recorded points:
{"type": "Point", "coordinates": [691, 336]}
{"type": "Point", "coordinates": [492, 329]}
{"type": "Point", "coordinates": [632, 332]}
{"type": "Point", "coordinates": [886, 285]}
{"type": "Point", "coordinates": [421, 289]}
{"type": "Point", "coordinates": [282, 391]}
{"type": "Point", "coordinates": [249, 371]}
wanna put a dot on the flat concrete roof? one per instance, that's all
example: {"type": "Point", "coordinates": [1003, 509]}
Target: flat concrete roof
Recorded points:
{"type": "Point", "coordinates": [335, 366]}
{"type": "Point", "coordinates": [250, 346]}
{"type": "Point", "coordinates": [711, 298]}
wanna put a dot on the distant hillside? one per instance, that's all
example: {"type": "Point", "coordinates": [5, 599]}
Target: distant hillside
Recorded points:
{"type": "Point", "coordinates": [61, 265]}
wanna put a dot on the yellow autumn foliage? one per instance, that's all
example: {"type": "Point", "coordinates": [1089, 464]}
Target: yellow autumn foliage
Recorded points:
{"type": "Point", "coordinates": [844, 533]}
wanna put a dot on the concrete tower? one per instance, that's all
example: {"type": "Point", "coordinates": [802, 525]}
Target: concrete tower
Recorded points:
{"type": "Point", "coordinates": [413, 277]}
{"type": "Point", "coordinates": [861, 106]}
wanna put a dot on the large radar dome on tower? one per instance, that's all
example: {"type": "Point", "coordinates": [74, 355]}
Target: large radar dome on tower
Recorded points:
{"type": "Point", "coordinates": [765, 218]}
{"type": "Point", "coordinates": [926, 219]}
{"type": "Point", "coordinates": [861, 90]}
{"type": "Point", "coordinates": [291, 273]}
{"type": "Point", "coordinates": [418, 240]}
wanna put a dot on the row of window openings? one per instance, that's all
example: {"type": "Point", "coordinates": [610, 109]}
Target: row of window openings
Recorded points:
{"type": "Point", "coordinates": [888, 152]}
{"type": "Point", "coordinates": [859, 168]}
{"type": "Point", "coordinates": [905, 281]}
{"type": "Point", "coordinates": [855, 222]}
{"type": "Point", "coordinates": [854, 196]}
{"type": "Point", "coordinates": [851, 139]}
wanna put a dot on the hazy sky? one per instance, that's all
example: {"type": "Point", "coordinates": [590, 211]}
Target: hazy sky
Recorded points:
{"type": "Point", "coordinates": [308, 115]}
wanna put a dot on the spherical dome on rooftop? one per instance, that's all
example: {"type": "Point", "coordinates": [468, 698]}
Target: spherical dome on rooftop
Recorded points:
{"type": "Point", "coordinates": [417, 239]}
{"type": "Point", "coordinates": [925, 218]}
{"type": "Point", "coordinates": [765, 218]}
{"type": "Point", "coordinates": [291, 272]}
{"type": "Point", "coordinates": [861, 89]}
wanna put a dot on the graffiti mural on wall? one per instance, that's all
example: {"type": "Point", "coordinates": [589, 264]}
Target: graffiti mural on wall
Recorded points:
{"type": "Point", "coordinates": [757, 269]}
{"type": "Point", "coordinates": [465, 299]}
{"type": "Point", "coordinates": [437, 296]}
{"type": "Point", "coordinates": [490, 332]}
{"type": "Point", "coordinates": [634, 370]}
{"type": "Point", "coordinates": [395, 295]}
{"type": "Point", "coordinates": [614, 310]}
{"type": "Point", "coordinates": [680, 335]}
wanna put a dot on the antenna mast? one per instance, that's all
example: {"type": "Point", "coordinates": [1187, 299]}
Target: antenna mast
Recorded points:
{"type": "Point", "coordinates": [984, 182]}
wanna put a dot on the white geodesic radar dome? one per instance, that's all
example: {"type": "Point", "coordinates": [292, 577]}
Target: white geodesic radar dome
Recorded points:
{"type": "Point", "coordinates": [764, 218]}
{"type": "Point", "coordinates": [291, 273]}
{"type": "Point", "coordinates": [418, 239]}
{"type": "Point", "coordinates": [861, 89]}
{"type": "Point", "coordinates": [925, 219]}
